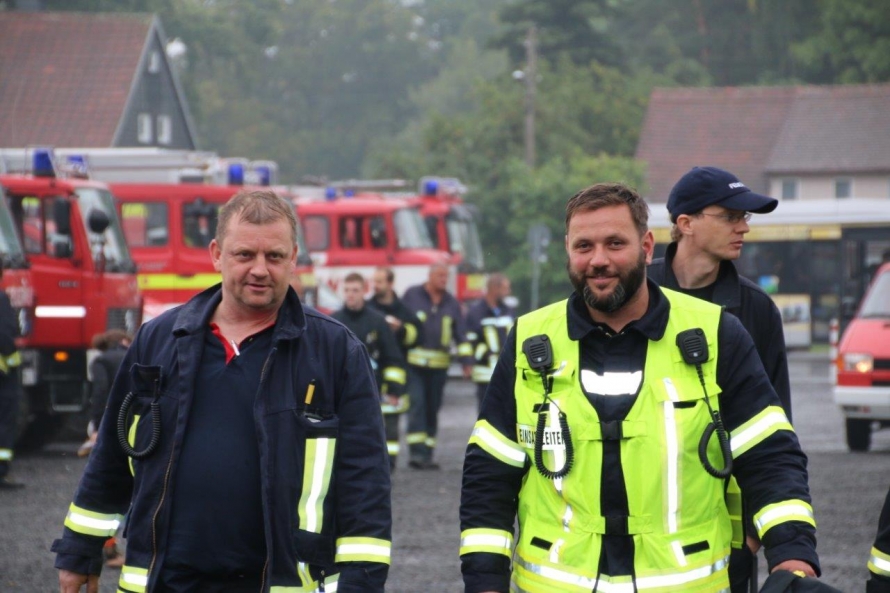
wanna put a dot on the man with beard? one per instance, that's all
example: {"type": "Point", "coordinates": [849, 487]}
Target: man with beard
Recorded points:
{"type": "Point", "coordinates": [606, 429]}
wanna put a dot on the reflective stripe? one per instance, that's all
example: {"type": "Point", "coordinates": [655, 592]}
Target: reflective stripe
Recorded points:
{"type": "Point", "coordinates": [490, 440]}
{"type": "Point", "coordinates": [554, 550]}
{"type": "Point", "coordinates": [14, 359]}
{"type": "Point", "coordinates": [611, 383]}
{"type": "Point", "coordinates": [430, 442]}
{"type": "Point", "coordinates": [401, 407]}
{"type": "Point", "coordinates": [445, 339]}
{"type": "Point", "coordinates": [394, 374]}
{"type": "Point", "coordinates": [464, 349]}
{"type": "Point", "coordinates": [879, 562]}
{"type": "Point", "coordinates": [622, 584]}
{"type": "Point", "coordinates": [131, 438]}
{"type": "Point", "coordinates": [424, 357]}
{"type": "Point", "coordinates": [170, 281]}
{"type": "Point", "coordinates": [416, 438]}
{"type": "Point", "coordinates": [492, 541]}
{"type": "Point", "coordinates": [491, 338]}
{"type": "Point", "coordinates": [672, 458]}
{"type": "Point", "coordinates": [758, 429]}
{"type": "Point", "coordinates": [410, 334]}
{"type": "Point", "coordinates": [91, 523]}
{"type": "Point", "coordinates": [363, 549]}
{"type": "Point", "coordinates": [330, 586]}
{"type": "Point", "coordinates": [782, 512]}
{"type": "Point", "coordinates": [316, 480]}
{"type": "Point", "coordinates": [502, 321]}
{"type": "Point", "coordinates": [73, 312]}
{"type": "Point", "coordinates": [482, 374]}
{"type": "Point", "coordinates": [133, 579]}
{"type": "Point", "coordinates": [5, 454]}
{"type": "Point", "coordinates": [392, 447]}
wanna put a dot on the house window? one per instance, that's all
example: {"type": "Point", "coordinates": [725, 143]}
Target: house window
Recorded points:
{"type": "Point", "coordinates": [790, 189]}
{"type": "Point", "coordinates": [154, 62]}
{"type": "Point", "coordinates": [143, 128]}
{"type": "Point", "coordinates": [843, 188]}
{"type": "Point", "coordinates": [165, 129]}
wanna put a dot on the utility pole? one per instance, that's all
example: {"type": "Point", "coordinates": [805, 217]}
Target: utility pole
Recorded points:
{"type": "Point", "coordinates": [531, 80]}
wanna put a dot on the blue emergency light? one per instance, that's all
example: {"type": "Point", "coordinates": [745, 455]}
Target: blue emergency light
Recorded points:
{"type": "Point", "coordinates": [236, 174]}
{"type": "Point", "coordinates": [349, 193]}
{"type": "Point", "coordinates": [264, 174]}
{"type": "Point", "coordinates": [330, 193]}
{"type": "Point", "coordinates": [42, 163]}
{"type": "Point", "coordinates": [430, 187]}
{"type": "Point", "coordinates": [77, 165]}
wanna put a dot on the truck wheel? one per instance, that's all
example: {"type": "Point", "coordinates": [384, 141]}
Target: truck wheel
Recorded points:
{"type": "Point", "coordinates": [858, 434]}
{"type": "Point", "coordinates": [42, 429]}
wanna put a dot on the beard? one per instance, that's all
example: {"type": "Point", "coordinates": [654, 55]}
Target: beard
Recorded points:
{"type": "Point", "coordinates": [629, 282]}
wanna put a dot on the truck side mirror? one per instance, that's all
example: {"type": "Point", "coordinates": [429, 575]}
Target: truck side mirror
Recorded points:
{"type": "Point", "coordinates": [98, 221]}
{"type": "Point", "coordinates": [62, 216]}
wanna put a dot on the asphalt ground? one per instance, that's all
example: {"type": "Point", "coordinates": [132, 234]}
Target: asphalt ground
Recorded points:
{"type": "Point", "coordinates": [848, 491]}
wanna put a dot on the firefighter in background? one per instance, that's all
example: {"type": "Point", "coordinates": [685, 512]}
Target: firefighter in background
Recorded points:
{"type": "Point", "coordinates": [442, 321]}
{"type": "Point", "coordinates": [402, 320]}
{"type": "Point", "coordinates": [407, 330]}
{"type": "Point", "coordinates": [386, 358]}
{"type": "Point", "coordinates": [879, 559]}
{"type": "Point", "coordinates": [488, 321]}
{"type": "Point", "coordinates": [10, 386]}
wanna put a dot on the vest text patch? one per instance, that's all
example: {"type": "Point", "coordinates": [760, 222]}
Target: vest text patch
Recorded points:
{"type": "Point", "coordinates": [525, 434]}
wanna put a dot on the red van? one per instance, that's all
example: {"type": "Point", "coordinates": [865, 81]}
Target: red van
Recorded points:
{"type": "Point", "coordinates": [863, 365]}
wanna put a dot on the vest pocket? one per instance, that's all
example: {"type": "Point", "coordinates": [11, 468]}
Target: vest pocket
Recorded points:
{"type": "Point", "coordinates": [314, 548]}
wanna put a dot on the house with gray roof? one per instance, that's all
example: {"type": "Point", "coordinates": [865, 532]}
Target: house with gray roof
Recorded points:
{"type": "Point", "coordinates": [793, 142]}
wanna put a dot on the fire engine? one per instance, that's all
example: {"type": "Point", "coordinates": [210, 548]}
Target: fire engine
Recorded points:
{"type": "Point", "coordinates": [452, 227]}
{"type": "Point", "coordinates": [168, 201]}
{"type": "Point", "coordinates": [78, 281]}
{"type": "Point", "coordinates": [357, 232]}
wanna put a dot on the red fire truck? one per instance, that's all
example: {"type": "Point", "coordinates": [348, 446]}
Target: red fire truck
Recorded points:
{"type": "Point", "coordinates": [169, 228]}
{"type": "Point", "coordinates": [452, 227]}
{"type": "Point", "coordinates": [82, 282]}
{"type": "Point", "coordinates": [357, 232]}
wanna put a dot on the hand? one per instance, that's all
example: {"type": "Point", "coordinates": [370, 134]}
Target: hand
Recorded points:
{"type": "Point", "coordinates": [394, 322]}
{"type": "Point", "coordinates": [468, 371]}
{"type": "Point", "coordinates": [392, 400]}
{"type": "Point", "coordinates": [71, 582]}
{"type": "Point", "coordinates": [795, 565]}
{"type": "Point", "coordinates": [753, 543]}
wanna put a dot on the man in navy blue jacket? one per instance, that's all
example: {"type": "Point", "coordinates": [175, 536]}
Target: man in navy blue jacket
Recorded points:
{"type": "Point", "coordinates": [243, 438]}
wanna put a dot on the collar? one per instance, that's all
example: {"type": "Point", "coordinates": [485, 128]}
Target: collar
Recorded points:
{"type": "Point", "coordinates": [727, 289]}
{"type": "Point", "coordinates": [651, 325]}
{"type": "Point", "coordinates": [196, 313]}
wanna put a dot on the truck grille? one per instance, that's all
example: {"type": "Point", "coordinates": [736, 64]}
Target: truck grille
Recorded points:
{"type": "Point", "coordinates": [123, 318]}
{"type": "Point", "coordinates": [882, 364]}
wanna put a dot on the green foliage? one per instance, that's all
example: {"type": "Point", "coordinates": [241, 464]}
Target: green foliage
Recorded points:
{"type": "Point", "coordinates": [852, 44]}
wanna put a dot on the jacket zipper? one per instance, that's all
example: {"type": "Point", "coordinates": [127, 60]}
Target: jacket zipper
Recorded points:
{"type": "Point", "coordinates": [263, 373]}
{"type": "Point", "coordinates": [154, 518]}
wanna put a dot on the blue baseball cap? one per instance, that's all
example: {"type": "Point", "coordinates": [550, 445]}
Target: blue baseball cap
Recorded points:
{"type": "Point", "coordinates": [703, 186]}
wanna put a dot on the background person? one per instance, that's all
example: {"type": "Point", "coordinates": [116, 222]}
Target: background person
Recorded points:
{"type": "Point", "coordinates": [710, 209]}
{"type": "Point", "coordinates": [488, 321]}
{"type": "Point", "coordinates": [386, 357]}
{"type": "Point", "coordinates": [428, 361]}
{"type": "Point", "coordinates": [10, 387]}
{"type": "Point", "coordinates": [254, 456]}
{"type": "Point", "coordinates": [605, 491]}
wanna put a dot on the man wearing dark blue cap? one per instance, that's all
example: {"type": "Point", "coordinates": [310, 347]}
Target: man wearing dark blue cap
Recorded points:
{"type": "Point", "coordinates": [710, 209]}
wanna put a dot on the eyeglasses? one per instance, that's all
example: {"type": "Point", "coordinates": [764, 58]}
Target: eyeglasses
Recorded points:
{"type": "Point", "coordinates": [730, 217]}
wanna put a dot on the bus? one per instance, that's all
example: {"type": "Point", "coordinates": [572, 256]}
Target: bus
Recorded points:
{"type": "Point", "coordinates": [815, 258]}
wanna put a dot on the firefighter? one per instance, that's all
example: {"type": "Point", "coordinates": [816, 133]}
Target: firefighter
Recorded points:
{"type": "Point", "coordinates": [386, 357]}
{"type": "Point", "coordinates": [10, 387]}
{"type": "Point", "coordinates": [443, 323]}
{"type": "Point", "coordinates": [488, 321]}
{"type": "Point", "coordinates": [606, 429]}
{"type": "Point", "coordinates": [879, 560]}
{"type": "Point", "coordinates": [244, 442]}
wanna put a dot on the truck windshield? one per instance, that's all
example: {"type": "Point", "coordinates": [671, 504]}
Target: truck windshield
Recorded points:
{"type": "Point", "coordinates": [463, 238]}
{"type": "Point", "coordinates": [877, 303]}
{"type": "Point", "coordinates": [117, 256]}
{"type": "Point", "coordinates": [10, 246]}
{"type": "Point", "coordinates": [410, 230]}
